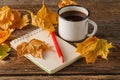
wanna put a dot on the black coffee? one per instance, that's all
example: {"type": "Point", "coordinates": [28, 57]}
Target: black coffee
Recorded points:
{"type": "Point", "coordinates": [73, 15]}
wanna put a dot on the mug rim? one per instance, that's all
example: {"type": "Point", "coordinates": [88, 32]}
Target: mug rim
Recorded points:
{"type": "Point", "coordinates": [76, 6]}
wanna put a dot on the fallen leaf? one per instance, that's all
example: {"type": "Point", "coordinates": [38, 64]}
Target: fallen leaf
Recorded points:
{"type": "Point", "coordinates": [4, 49]}
{"type": "Point", "coordinates": [12, 19]}
{"type": "Point", "coordinates": [45, 19]}
{"type": "Point", "coordinates": [35, 47]}
{"type": "Point", "coordinates": [104, 51]}
{"type": "Point", "coordinates": [63, 3]}
{"type": "Point", "coordinates": [21, 49]}
{"type": "Point", "coordinates": [42, 13]}
{"type": "Point", "coordinates": [36, 21]}
{"type": "Point", "coordinates": [53, 17]}
{"type": "Point", "coordinates": [6, 17]}
{"type": "Point", "coordinates": [4, 35]}
{"type": "Point", "coordinates": [93, 47]}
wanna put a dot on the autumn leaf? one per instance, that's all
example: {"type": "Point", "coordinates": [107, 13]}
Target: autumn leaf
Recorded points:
{"type": "Point", "coordinates": [63, 3]}
{"type": "Point", "coordinates": [93, 47]}
{"type": "Point", "coordinates": [53, 17]}
{"type": "Point", "coordinates": [4, 35]}
{"type": "Point", "coordinates": [104, 50]}
{"type": "Point", "coordinates": [21, 49]}
{"type": "Point", "coordinates": [22, 22]}
{"type": "Point", "coordinates": [42, 13]}
{"type": "Point", "coordinates": [36, 21]}
{"type": "Point", "coordinates": [12, 19]}
{"type": "Point", "coordinates": [4, 49]}
{"type": "Point", "coordinates": [45, 19]}
{"type": "Point", "coordinates": [35, 47]}
{"type": "Point", "coordinates": [6, 17]}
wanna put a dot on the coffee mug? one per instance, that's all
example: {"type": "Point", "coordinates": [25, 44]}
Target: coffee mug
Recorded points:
{"type": "Point", "coordinates": [73, 23]}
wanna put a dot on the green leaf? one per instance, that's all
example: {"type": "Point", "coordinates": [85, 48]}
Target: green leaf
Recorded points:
{"type": "Point", "coordinates": [4, 48]}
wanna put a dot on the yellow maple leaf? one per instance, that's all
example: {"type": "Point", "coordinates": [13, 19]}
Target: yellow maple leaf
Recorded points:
{"type": "Point", "coordinates": [11, 19]}
{"type": "Point", "coordinates": [63, 3]}
{"type": "Point", "coordinates": [104, 49]}
{"type": "Point", "coordinates": [93, 47]}
{"type": "Point", "coordinates": [42, 13]}
{"type": "Point", "coordinates": [52, 17]}
{"type": "Point", "coordinates": [45, 19]}
{"type": "Point", "coordinates": [36, 21]}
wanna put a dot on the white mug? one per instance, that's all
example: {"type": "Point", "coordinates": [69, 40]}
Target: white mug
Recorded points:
{"type": "Point", "coordinates": [74, 30]}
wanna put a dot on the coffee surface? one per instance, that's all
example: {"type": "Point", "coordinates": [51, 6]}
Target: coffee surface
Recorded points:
{"type": "Point", "coordinates": [73, 15]}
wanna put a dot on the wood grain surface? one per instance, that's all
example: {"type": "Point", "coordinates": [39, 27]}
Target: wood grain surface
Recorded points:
{"type": "Point", "coordinates": [106, 13]}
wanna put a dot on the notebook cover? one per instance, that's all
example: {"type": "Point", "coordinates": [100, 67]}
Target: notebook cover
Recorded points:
{"type": "Point", "coordinates": [51, 62]}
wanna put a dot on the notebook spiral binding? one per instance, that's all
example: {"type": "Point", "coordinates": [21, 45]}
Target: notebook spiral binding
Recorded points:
{"type": "Point", "coordinates": [24, 38]}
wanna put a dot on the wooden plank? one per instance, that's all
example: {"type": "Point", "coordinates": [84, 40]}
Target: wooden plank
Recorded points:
{"type": "Point", "coordinates": [49, 77]}
{"type": "Point", "coordinates": [101, 66]}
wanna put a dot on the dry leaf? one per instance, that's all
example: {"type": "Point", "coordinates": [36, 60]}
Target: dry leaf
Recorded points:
{"type": "Point", "coordinates": [6, 17]}
{"type": "Point", "coordinates": [42, 13]}
{"type": "Point", "coordinates": [21, 49]}
{"type": "Point", "coordinates": [11, 19]}
{"type": "Point", "coordinates": [104, 50]}
{"type": "Point", "coordinates": [52, 17]}
{"type": "Point", "coordinates": [45, 19]}
{"type": "Point", "coordinates": [93, 47]}
{"type": "Point", "coordinates": [4, 35]}
{"type": "Point", "coordinates": [63, 3]}
{"type": "Point", "coordinates": [35, 47]}
{"type": "Point", "coordinates": [36, 21]}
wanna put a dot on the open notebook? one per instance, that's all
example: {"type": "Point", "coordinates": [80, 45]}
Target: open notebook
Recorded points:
{"type": "Point", "coordinates": [51, 62]}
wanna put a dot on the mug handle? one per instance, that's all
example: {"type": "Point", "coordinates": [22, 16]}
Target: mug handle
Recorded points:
{"type": "Point", "coordinates": [94, 25]}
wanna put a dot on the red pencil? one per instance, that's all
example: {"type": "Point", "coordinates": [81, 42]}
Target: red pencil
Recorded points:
{"type": "Point", "coordinates": [57, 47]}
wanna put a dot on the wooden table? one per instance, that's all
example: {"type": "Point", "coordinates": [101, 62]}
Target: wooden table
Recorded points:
{"type": "Point", "coordinates": [106, 13]}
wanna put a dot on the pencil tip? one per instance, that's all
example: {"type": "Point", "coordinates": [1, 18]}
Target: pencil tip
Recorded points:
{"type": "Point", "coordinates": [62, 59]}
